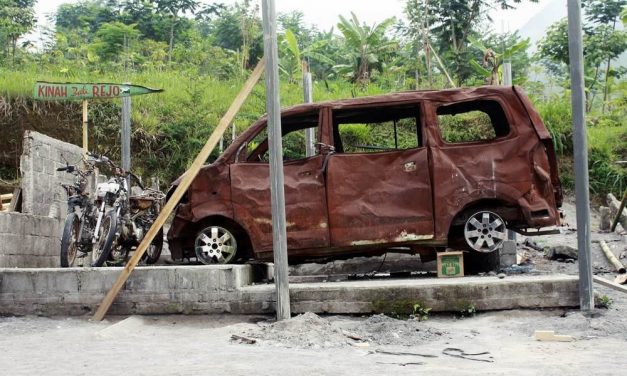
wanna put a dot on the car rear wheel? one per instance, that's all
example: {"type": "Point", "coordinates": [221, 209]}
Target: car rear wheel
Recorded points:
{"type": "Point", "coordinates": [485, 231]}
{"type": "Point", "coordinates": [215, 245]}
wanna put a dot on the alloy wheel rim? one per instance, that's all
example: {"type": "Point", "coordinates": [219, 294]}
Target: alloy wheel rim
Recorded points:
{"type": "Point", "coordinates": [485, 231]}
{"type": "Point", "coordinates": [215, 245]}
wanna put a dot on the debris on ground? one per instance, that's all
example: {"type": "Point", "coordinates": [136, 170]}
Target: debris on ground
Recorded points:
{"type": "Point", "coordinates": [562, 252]}
{"type": "Point", "coordinates": [312, 331]}
{"type": "Point", "coordinates": [532, 244]}
{"type": "Point", "coordinates": [459, 353]}
{"type": "Point", "coordinates": [605, 218]}
{"type": "Point", "coordinates": [240, 339]}
{"type": "Point", "coordinates": [621, 279]}
{"type": "Point", "coordinates": [549, 335]}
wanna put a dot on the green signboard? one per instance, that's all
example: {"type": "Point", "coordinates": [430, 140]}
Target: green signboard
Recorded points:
{"type": "Point", "coordinates": [81, 91]}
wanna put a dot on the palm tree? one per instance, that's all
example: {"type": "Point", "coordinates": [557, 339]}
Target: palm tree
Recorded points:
{"type": "Point", "coordinates": [366, 43]}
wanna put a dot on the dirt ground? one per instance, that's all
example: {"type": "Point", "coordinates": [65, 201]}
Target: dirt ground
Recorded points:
{"type": "Point", "coordinates": [492, 343]}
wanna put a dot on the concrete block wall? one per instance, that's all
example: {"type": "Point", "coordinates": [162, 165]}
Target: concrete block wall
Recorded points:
{"type": "Point", "coordinates": [29, 241]}
{"type": "Point", "coordinates": [149, 290]}
{"type": "Point", "coordinates": [41, 182]}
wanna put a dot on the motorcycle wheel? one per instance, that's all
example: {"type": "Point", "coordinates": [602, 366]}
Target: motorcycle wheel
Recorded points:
{"type": "Point", "coordinates": [153, 252]}
{"type": "Point", "coordinates": [106, 234]}
{"type": "Point", "coordinates": [70, 240]}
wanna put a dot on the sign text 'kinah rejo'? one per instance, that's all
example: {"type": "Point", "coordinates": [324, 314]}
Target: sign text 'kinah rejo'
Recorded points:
{"type": "Point", "coordinates": [80, 91]}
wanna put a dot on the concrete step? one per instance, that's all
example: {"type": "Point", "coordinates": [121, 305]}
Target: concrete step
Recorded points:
{"type": "Point", "coordinates": [231, 288]}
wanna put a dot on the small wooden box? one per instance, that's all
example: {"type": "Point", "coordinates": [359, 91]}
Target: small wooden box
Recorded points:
{"type": "Point", "coordinates": [450, 264]}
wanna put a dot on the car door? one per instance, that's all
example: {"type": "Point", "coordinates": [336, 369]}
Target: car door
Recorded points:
{"type": "Point", "coordinates": [379, 193]}
{"type": "Point", "coordinates": [305, 194]}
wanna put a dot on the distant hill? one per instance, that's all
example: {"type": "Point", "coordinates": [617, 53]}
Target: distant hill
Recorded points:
{"type": "Point", "coordinates": [536, 27]}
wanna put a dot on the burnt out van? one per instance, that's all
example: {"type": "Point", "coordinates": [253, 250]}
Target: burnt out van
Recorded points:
{"type": "Point", "coordinates": [413, 172]}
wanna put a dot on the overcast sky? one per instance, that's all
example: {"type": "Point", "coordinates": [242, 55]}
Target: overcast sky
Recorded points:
{"type": "Point", "coordinates": [324, 13]}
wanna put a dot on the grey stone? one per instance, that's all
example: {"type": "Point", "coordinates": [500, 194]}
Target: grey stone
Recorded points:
{"type": "Point", "coordinates": [507, 254]}
{"type": "Point", "coordinates": [562, 252]}
{"type": "Point", "coordinates": [606, 218]}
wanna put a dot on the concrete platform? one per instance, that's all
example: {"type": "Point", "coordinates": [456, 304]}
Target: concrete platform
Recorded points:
{"type": "Point", "coordinates": [231, 288]}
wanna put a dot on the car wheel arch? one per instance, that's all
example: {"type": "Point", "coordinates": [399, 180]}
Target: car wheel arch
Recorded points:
{"type": "Point", "coordinates": [501, 206]}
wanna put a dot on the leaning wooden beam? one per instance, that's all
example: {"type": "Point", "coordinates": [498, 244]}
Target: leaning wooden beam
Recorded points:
{"type": "Point", "coordinates": [611, 258]}
{"type": "Point", "coordinates": [191, 173]}
{"type": "Point", "coordinates": [619, 211]}
{"type": "Point", "coordinates": [610, 284]}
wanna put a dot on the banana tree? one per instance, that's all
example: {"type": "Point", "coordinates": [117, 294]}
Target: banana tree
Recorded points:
{"type": "Point", "coordinates": [491, 66]}
{"type": "Point", "coordinates": [366, 46]}
{"type": "Point", "coordinates": [293, 56]}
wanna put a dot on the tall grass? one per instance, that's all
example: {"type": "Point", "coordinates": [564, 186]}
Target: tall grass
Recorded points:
{"type": "Point", "coordinates": [607, 144]}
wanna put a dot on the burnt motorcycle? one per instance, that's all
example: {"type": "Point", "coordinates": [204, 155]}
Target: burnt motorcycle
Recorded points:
{"type": "Point", "coordinates": [124, 219]}
{"type": "Point", "coordinates": [78, 231]}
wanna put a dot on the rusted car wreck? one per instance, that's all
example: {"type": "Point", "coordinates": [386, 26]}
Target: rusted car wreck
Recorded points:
{"type": "Point", "coordinates": [451, 168]}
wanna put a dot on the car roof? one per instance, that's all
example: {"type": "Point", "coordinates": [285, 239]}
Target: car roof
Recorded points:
{"type": "Point", "coordinates": [446, 95]}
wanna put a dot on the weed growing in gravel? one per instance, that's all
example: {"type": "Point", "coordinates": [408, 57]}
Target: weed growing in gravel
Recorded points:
{"type": "Point", "coordinates": [468, 310]}
{"type": "Point", "coordinates": [604, 301]}
{"type": "Point", "coordinates": [420, 313]}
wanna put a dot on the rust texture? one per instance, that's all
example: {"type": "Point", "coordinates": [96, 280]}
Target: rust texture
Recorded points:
{"type": "Point", "coordinates": [350, 203]}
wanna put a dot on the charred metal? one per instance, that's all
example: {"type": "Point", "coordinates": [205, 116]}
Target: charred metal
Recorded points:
{"type": "Point", "coordinates": [353, 199]}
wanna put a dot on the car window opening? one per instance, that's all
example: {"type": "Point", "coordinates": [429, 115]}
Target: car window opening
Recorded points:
{"type": "Point", "coordinates": [377, 129]}
{"type": "Point", "coordinates": [293, 129]}
{"type": "Point", "coordinates": [473, 121]}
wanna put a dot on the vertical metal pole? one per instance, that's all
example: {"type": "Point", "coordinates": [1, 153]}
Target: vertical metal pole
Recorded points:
{"type": "Point", "coordinates": [85, 134]}
{"type": "Point", "coordinates": [507, 74]}
{"type": "Point", "coordinates": [273, 106]}
{"type": "Point", "coordinates": [126, 133]}
{"type": "Point", "coordinates": [232, 132]}
{"type": "Point", "coordinates": [310, 135]}
{"type": "Point", "coordinates": [582, 195]}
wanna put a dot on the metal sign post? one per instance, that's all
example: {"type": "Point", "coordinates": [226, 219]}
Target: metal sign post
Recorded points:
{"type": "Point", "coordinates": [83, 91]}
{"type": "Point", "coordinates": [85, 130]}
{"type": "Point", "coordinates": [582, 194]}
{"type": "Point", "coordinates": [126, 133]}
{"type": "Point", "coordinates": [310, 134]}
{"type": "Point", "coordinates": [273, 106]}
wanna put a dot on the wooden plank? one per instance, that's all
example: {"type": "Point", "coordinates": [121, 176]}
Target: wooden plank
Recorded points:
{"type": "Point", "coordinates": [549, 335]}
{"type": "Point", "coordinates": [611, 258]}
{"type": "Point", "coordinates": [610, 284]}
{"type": "Point", "coordinates": [189, 176]}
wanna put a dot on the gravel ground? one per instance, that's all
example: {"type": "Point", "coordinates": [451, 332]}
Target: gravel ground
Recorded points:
{"type": "Point", "coordinates": [502, 342]}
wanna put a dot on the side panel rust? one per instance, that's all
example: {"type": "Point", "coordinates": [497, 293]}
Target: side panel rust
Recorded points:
{"type": "Point", "coordinates": [305, 203]}
{"type": "Point", "coordinates": [379, 198]}
{"type": "Point", "coordinates": [512, 170]}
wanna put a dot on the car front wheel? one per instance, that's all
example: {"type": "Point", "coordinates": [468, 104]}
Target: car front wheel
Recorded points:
{"type": "Point", "coordinates": [215, 245]}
